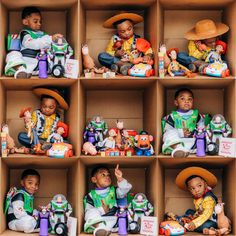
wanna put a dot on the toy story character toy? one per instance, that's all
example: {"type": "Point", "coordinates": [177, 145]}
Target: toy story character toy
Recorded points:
{"type": "Point", "coordinates": [60, 211]}
{"type": "Point", "coordinates": [200, 135]}
{"type": "Point", "coordinates": [175, 68]}
{"type": "Point", "coordinates": [43, 219]}
{"type": "Point", "coordinates": [109, 142]}
{"type": "Point", "coordinates": [61, 133]}
{"type": "Point", "coordinates": [143, 144]}
{"type": "Point", "coordinates": [100, 127]}
{"type": "Point", "coordinates": [90, 135]}
{"type": "Point", "coordinates": [171, 228]}
{"type": "Point", "coordinates": [217, 128]}
{"type": "Point", "coordinates": [60, 51]}
{"type": "Point", "coordinates": [89, 148]}
{"type": "Point", "coordinates": [43, 59]}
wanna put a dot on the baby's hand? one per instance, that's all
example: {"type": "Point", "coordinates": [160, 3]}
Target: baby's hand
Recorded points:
{"type": "Point", "coordinates": [190, 226]}
{"type": "Point", "coordinates": [187, 133]}
{"type": "Point", "coordinates": [56, 36]}
{"type": "Point", "coordinates": [119, 53]}
{"type": "Point", "coordinates": [200, 46]}
{"type": "Point", "coordinates": [118, 174]}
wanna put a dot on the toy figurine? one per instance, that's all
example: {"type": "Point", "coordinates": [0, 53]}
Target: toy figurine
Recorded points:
{"type": "Point", "coordinates": [217, 67]}
{"type": "Point", "coordinates": [60, 211]}
{"type": "Point", "coordinates": [61, 132]}
{"type": "Point", "coordinates": [10, 143]}
{"type": "Point", "coordinates": [43, 64]}
{"type": "Point", "coordinates": [217, 128]}
{"type": "Point", "coordinates": [223, 222]}
{"type": "Point", "coordinates": [143, 144]}
{"type": "Point", "coordinates": [175, 68]}
{"type": "Point", "coordinates": [89, 148]}
{"type": "Point", "coordinates": [119, 136]}
{"type": "Point", "coordinates": [129, 141]}
{"type": "Point", "coordinates": [90, 135]}
{"type": "Point", "coordinates": [171, 228]}
{"type": "Point", "coordinates": [88, 63]}
{"type": "Point", "coordinates": [26, 115]}
{"type": "Point", "coordinates": [139, 207]}
{"type": "Point", "coordinates": [43, 219]}
{"type": "Point", "coordinates": [100, 127]}
{"type": "Point", "coordinates": [60, 51]}
{"type": "Point", "coordinates": [109, 142]}
{"type": "Point", "coordinates": [200, 135]}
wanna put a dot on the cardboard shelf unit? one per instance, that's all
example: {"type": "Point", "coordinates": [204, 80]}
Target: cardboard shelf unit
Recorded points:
{"type": "Point", "coordinates": [139, 102]}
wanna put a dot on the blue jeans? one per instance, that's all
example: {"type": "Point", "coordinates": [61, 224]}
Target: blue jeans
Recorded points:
{"type": "Point", "coordinates": [25, 140]}
{"type": "Point", "coordinates": [107, 60]}
{"type": "Point", "coordinates": [184, 59]}
{"type": "Point", "coordinates": [208, 224]}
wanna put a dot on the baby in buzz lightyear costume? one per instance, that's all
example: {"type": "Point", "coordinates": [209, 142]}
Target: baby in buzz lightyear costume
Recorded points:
{"type": "Point", "coordinates": [100, 203]}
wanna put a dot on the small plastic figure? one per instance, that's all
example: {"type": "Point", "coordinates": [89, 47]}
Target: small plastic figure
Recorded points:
{"type": "Point", "coordinates": [175, 68]}
{"type": "Point", "coordinates": [60, 51]}
{"type": "Point", "coordinates": [43, 64]}
{"type": "Point", "coordinates": [61, 132]}
{"type": "Point", "coordinates": [89, 148]}
{"type": "Point", "coordinates": [90, 135]}
{"type": "Point", "coordinates": [139, 207]}
{"type": "Point", "coordinates": [200, 135]}
{"type": "Point", "coordinates": [43, 219]}
{"type": "Point", "coordinates": [109, 142]}
{"type": "Point", "coordinates": [100, 127]}
{"type": "Point", "coordinates": [88, 62]}
{"type": "Point", "coordinates": [217, 128]}
{"type": "Point", "coordinates": [60, 211]}
{"type": "Point", "coordinates": [223, 222]}
{"type": "Point", "coordinates": [143, 144]}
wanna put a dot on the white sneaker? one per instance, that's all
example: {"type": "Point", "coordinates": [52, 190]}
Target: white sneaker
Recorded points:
{"type": "Point", "coordinates": [101, 232]}
{"type": "Point", "coordinates": [21, 73]}
{"type": "Point", "coordinates": [180, 152]}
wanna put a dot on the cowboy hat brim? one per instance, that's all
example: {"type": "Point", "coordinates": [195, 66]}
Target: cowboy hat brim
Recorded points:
{"type": "Point", "coordinates": [220, 29]}
{"type": "Point", "coordinates": [43, 91]}
{"type": "Point", "coordinates": [181, 178]}
{"type": "Point", "coordinates": [135, 18]}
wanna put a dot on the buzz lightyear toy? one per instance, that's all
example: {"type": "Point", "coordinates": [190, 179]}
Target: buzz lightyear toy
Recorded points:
{"type": "Point", "coordinates": [60, 211]}
{"type": "Point", "coordinates": [60, 51]}
{"type": "Point", "coordinates": [217, 128]}
{"type": "Point", "coordinates": [139, 207]}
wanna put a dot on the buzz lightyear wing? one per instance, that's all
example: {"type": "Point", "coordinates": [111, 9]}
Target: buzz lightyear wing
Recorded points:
{"type": "Point", "coordinates": [12, 191]}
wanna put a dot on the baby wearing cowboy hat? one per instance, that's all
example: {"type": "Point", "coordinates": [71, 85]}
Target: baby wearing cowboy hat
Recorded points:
{"type": "Point", "coordinates": [199, 182]}
{"type": "Point", "coordinates": [202, 39]}
{"type": "Point", "coordinates": [119, 53]}
{"type": "Point", "coordinates": [45, 118]}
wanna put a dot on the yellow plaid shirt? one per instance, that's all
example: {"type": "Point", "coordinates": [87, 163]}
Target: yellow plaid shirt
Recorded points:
{"type": "Point", "coordinates": [49, 120]}
{"type": "Point", "coordinates": [204, 210]}
{"type": "Point", "coordinates": [126, 46]}
{"type": "Point", "coordinates": [194, 52]}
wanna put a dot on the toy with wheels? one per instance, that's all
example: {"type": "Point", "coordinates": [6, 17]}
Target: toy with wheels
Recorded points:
{"type": "Point", "coordinates": [61, 229]}
{"type": "Point", "coordinates": [171, 228]}
{"type": "Point", "coordinates": [60, 150]}
{"type": "Point", "coordinates": [58, 71]}
{"type": "Point", "coordinates": [217, 69]}
{"type": "Point", "coordinates": [141, 70]}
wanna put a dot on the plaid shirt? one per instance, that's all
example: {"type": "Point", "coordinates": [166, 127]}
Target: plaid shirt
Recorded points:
{"type": "Point", "coordinates": [194, 52]}
{"type": "Point", "coordinates": [204, 210]}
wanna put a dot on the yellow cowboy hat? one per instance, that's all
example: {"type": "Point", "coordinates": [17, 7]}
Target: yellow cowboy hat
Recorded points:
{"type": "Point", "coordinates": [205, 29]}
{"type": "Point", "coordinates": [135, 18]}
{"type": "Point", "coordinates": [53, 93]}
{"type": "Point", "coordinates": [181, 178]}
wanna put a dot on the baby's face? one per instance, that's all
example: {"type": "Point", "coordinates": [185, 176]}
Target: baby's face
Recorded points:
{"type": "Point", "coordinates": [48, 106]}
{"type": "Point", "coordinates": [125, 30]}
{"type": "Point", "coordinates": [184, 101]}
{"type": "Point", "coordinates": [211, 42]}
{"type": "Point", "coordinates": [197, 187]}
{"type": "Point", "coordinates": [33, 21]}
{"type": "Point", "coordinates": [102, 178]}
{"type": "Point", "coordinates": [30, 183]}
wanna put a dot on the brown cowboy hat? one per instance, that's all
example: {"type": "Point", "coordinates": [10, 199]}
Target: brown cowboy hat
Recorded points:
{"type": "Point", "coordinates": [53, 93]}
{"type": "Point", "coordinates": [205, 29]}
{"type": "Point", "coordinates": [181, 178]}
{"type": "Point", "coordinates": [135, 18]}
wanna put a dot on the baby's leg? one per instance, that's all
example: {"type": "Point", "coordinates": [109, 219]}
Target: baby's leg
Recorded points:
{"type": "Point", "coordinates": [26, 224]}
{"type": "Point", "coordinates": [31, 64]}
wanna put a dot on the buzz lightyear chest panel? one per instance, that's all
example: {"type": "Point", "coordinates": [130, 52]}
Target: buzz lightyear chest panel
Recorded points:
{"type": "Point", "coordinates": [59, 208]}
{"type": "Point", "coordinates": [108, 200]}
{"type": "Point", "coordinates": [185, 121]}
